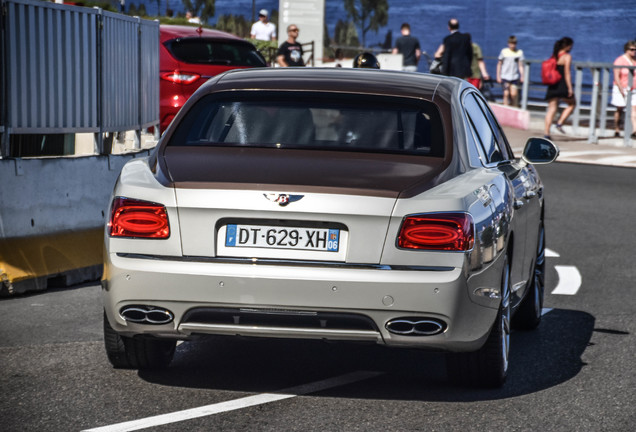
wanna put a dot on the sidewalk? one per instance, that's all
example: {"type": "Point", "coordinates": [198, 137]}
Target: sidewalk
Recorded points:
{"type": "Point", "coordinates": [576, 149]}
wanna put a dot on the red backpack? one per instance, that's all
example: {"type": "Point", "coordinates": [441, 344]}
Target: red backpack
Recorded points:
{"type": "Point", "coordinates": [549, 72]}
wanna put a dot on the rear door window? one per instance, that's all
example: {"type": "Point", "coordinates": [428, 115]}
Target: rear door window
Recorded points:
{"type": "Point", "coordinates": [482, 127]}
{"type": "Point", "coordinates": [494, 125]}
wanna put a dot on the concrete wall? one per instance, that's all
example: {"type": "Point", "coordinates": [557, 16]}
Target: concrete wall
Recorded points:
{"type": "Point", "coordinates": [52, 213]}
{"type": "Point", "coordinates": [510, 116]}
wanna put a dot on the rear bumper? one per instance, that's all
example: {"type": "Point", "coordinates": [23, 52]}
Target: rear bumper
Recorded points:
{"type": "Point", "coordinates": [377, 294]}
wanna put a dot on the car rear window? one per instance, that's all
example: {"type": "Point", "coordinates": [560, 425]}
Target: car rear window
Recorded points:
{"type": "Point", "coordinates": [317, 120]}
{"type": "Point", "coordinates": [211, 51]}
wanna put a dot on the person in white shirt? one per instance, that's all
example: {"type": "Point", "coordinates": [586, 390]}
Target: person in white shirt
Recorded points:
{"type": "Point", "coordinates": [510, 71]}
{"type": "Point", "coordinates": [192, 19]}
{"type": "Point", "coordinates": [263, 29]}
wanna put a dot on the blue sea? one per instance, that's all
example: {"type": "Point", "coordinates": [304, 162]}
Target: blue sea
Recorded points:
{"type": "Point", "coordinates": [599, 28]}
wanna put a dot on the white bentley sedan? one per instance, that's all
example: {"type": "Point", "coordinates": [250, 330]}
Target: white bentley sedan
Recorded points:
{"type": "Point", "coordinates": [349, 205]}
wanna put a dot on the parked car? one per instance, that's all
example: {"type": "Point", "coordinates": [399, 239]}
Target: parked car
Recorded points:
{"type": "Point", "coordinates": [335, 204]}
{"type": "Point", "coordinates": [189, 56]}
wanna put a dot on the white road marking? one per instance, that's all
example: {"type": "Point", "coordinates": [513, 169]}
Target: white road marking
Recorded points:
{"type": "Point", "coordinates": [587, 153]}
{"type": "Point", "coordinates": [236, 404]}
{"type": "Point", "coordinates": [616, 160]}
{"type": "Point", "coordinates": [551, 254]}
{"type": "Point", "coordinates": [546, 311]}
{"type": "Point", "coordinates": [569, 280]}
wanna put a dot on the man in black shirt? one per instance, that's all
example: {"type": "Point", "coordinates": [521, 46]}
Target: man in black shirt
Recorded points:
{"type": "Point", "coordinates": [409, 47]}
{"type": "Point", "coordinates": [290, 53]}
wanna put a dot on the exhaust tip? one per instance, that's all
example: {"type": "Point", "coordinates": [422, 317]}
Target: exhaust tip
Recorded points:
{"type": "Point", "coordinates": [143, 314]}
{"type": "Point", "coordinates": [415, 326]}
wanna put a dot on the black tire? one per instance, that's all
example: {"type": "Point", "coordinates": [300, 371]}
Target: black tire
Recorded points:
{"type": "Point", "coordinates": [487, 367]}
{"type": "Point", "coordinates": [137, 353]}
{"type": "Point", "coordinates": [528, 316]}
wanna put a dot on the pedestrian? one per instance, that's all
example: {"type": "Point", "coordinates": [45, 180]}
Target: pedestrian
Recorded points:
{"type": "Point", "coordinates": [510, 71]}
{"type": "Point", "coordinates": [479, 73]}
{"type": "Point", "coordinates": [290, 53]}
{"type": "Point", "coordinates": [621, 86]}
{"type": "Point", "coordinates": [409, 47]}
{"type": "Point", "coordinates": [192, 19]}
{"type": "Point", "coordinates": [457, 52]}
{"type": "Point", "coordinates": [562, 90]}
{"type": "Point", "coordinates": [263, 29]}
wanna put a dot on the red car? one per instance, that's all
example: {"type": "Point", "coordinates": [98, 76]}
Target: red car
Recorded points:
{"type": "Point", "coordinates": [189, 56]}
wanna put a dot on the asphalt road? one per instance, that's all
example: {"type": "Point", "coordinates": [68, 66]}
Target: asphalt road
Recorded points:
{"type": "Point", "coordinates": [575, 373]}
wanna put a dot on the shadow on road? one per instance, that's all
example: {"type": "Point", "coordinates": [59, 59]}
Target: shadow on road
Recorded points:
{"type": "Point", "coordinates": [539, 359]}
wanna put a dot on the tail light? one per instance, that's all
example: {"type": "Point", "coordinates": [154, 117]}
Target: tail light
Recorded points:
{"type": "Point", "coordinates": [180, 77]}
{"type": "Point", "coordinates": [135, 218]}
{"type": "Point", "coordinates": [437, 231]}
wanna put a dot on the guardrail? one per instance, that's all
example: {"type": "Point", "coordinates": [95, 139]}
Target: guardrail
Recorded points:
{"type": "Point", "coordinates": [591, 98]}
{"type": "Point", "coordinates": [68, 69]}
{"type": "Point", "coordinates": [595, 95]}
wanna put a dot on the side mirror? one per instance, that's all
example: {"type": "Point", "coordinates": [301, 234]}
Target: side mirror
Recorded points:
{"type": "Point", "coordinates": [539, 151]}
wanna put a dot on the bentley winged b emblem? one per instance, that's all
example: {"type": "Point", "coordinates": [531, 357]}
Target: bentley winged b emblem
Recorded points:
{"type": "Point", "coordinates": [282, 199]}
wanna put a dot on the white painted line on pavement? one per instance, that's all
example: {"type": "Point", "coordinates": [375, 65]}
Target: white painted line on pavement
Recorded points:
{"type": "Point", "coordinates": [551, 254]}
{"type": "Point", "coordinates": [569, 280]}
{"type": "Point", "coordinates": [546, 311]}
{"type": "Point", "coordinates": [616, 160]}
{"type": "Point", "coordinates": [237, 404]}
{"type": "Point", "coordinates": [588, 153]}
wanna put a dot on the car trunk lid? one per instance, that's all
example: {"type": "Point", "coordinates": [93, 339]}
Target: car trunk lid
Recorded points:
{"type": "Point", "coordinates": [221, 189]}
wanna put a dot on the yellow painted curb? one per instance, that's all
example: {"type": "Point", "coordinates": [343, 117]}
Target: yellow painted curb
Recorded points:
{"type": "Point", "coordinates": [49, 255]}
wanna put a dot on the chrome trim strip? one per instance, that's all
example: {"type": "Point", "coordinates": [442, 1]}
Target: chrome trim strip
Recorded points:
{"type": "Point", "coordinates": [281, 332]}
{"type": "Point", "coordinates": [280, 262]}
{"type": "Point", "coordinates": [516, 287]}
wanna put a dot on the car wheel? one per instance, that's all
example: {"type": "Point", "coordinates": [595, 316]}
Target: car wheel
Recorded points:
{"type": "Point", "coordinates": [136, 353]}
{"type": "Point", "coordinates": [528, 316]}
{"type": "Point", "coordinates": [487, 367]}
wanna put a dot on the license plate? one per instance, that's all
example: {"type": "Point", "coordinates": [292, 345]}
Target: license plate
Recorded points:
{"type": "Point", "coordinates": [278, 237]}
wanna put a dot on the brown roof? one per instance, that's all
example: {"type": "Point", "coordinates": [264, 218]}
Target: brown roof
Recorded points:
{"type": "Point", "coordinates": [369, 81]}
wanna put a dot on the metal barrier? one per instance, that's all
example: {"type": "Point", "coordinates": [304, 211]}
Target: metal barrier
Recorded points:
{"type": "Point", "coordinates": [68, 69]}
{"type": "Point", "coordinates": [310, 47]}
{"type": "Point", "coordinates": [599, 96]}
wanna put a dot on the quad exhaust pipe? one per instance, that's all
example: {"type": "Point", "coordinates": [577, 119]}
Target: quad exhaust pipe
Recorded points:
{"type": "Point", "coordinates": [415, 326]}
{"type": "Point", "coordinates": [146, 314]}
